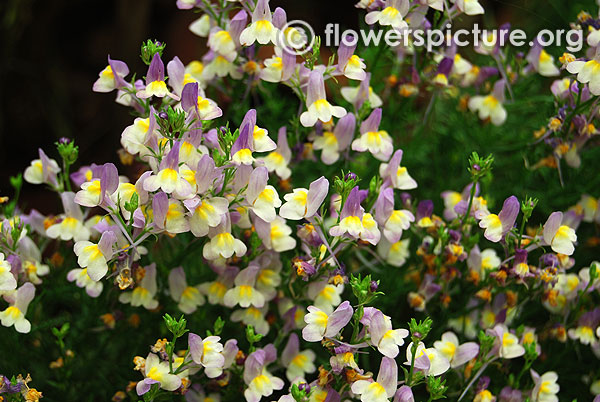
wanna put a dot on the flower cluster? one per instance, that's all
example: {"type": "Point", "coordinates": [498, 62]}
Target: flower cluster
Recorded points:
{"type": "Point", "coordinates": [231, 215]}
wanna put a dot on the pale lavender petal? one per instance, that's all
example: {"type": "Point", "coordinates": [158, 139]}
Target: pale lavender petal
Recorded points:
{"type": "Point", "coordinates": [237, 25]}
{"type": "Point", "coordinates": [196, 347]}
{"type": "Point", "coordinates": [377, 327]}
{"type": "Point", "coordinates": [339, 319]}
{"type": "Point", "coordinates": [317, 191]}
{"type": "Point", "coordinates": [160, 206]}
{"type": "Point", "coordinates": [464, 353]}
{"type": "Point", "coordinates": [508, 214]}
{"type": "Point", "coordinates": [257, 182]}
{"type": "Point", "coordinates": [388, 375]}
{"type": "Point", "coordinates": [106, 243]}
{"type": "Point", "coordinates": [551, 226]}
{"type": "Point", "coordinates": [253, 365]}
{"type": "Point", "coordinates": [404, 394]}
{"type": "Point", "coordinates": [316, 88]}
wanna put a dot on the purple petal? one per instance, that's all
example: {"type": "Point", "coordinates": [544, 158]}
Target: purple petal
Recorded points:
{"type": "Point", "coordinates": [156, 71]}
{"type": "Point", "coordinates": [352, 205]}
{"type": "Point", "coordinates": [189, 96]}
{"type": "Point", "coordinates": [344, 131]}
{"type": "Point", "coordinates": [372, 122]}
{"type": "Point", "coordinates": [291, 349]}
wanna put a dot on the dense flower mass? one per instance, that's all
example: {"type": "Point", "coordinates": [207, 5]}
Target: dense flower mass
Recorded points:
{"type": "Point", "coordinates": [280, 243]}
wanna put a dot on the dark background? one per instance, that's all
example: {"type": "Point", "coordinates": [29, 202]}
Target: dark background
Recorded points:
{"type": "Point", "coordinates": [52, 52]}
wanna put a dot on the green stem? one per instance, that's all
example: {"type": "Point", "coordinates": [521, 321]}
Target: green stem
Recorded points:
{"type": "Point", "coordinates": [413, 351]}
{"type": "Point", "coordinates": [471, 196]}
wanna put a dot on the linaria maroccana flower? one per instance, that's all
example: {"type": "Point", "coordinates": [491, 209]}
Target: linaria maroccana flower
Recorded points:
{"type": "Point", "coordinates": [429, 360]}
{"type": "Point", "coordinates": [187, 297]}
{"type": "Point", "coordinates": [355, 222]}
{"type": "Point", "coordinates": [382, 389]}
{"type": "Point", "coordinates": [222, 243]}
{"type": "Point", "coordinates": [490, 106]}
{"type": "Point", "coordinates": [144, 292]}
{"type": "Point", "coordinates": [349, 64]}
{"type": "Point", "coordinates": [207, 352]}
{"type": "Point", "coordinates": [42, 170]}
{"type": "Point", "coordinates": [7, 279]}
{"type": "Point", "coordinates": [316, 102]}
{"type": "Point", "coordinates": [112, 77]}
{"type": "Point", "coordinates": [588, 72]}
{"type": "Point", "coordinates": [277, 160]}
{"type": "Point", "coordinates": [325, 296]}
{"type": "Point", "coordinates": [392, 14]}
{"type": "Point", "coordinates": [395, 175]}
{"type": "Point", "coordinates": [15, 313]}
{"type": "Point", "coordinates": [558, 236]}
{"type": "Point", "coordinates": [394, 222]}
{"type": "Point", "coordinates": [194, 99]}
{"type": "Point", "coordinates": [456, 353]}
{"type": "Point", "coordinates": [168, 215]}
{"type": "Point", "coordinates": [303, 203]}
{"type": "Point", "coordinates": [383, 337]}
{"type": "Point", "coordinates": [94, 257]}
{"type": "Point", "coordinates": [279, 67]}
{"type": "Point", "coordinates": [546, 387]}
{"type": "Point", "coordinates": [333, 143]}
{"type": "Point", "coordinates": [169, 177]}
{"type": "Point", "coordinates": [496, 226]}
{"type": "Point", "coordinates": [83, 280]}
{"type": "Point", "coordinates": [98, 191]}
{"type": "Point", "coordinates": [541, 62]}
{"type": "Point", "coordinates": [261, 29]}
{"type": "Point", "coordinates": [259, 380]}
{"type": "Point", "coordinates": [155, 81]}
{"type": "Point", "coordinates": [320, 325]}
{"type": "Point", "coordinates": [262, 197]}
{"type": "Point", "coordinates": [377, 142]}
{"type": "Point", "coordinates": [206, 213]}
{"type": "Point", "coordinates": [244, 293]}
{"type": "Point", "coordinates": [357, 96]}
{"type": "Point", "coordinates": [297, 362]}
{"type": "Point", "coordinates": [469, 7]}
{"type": "Point", "coordinates": [396, 253]}
{"type": "Point", "coordinates": [507, 344]}
{"type": "Point", "coordinates": [157, 372]}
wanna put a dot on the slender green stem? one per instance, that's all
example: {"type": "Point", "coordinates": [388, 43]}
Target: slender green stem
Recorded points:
{"type": "Point", "coordinates": [471, 196]}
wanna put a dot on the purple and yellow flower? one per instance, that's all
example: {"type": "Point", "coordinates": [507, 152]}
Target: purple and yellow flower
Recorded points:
{"type": "Point", "coordinates": [320, 325]}
{"type": "Point", "coordinates": [15, 313]}
{"type": "Point", "coordinates": [497, 226]}
{"type": "Point", "coordinates": [316, 102]}
{"type": "Point", "coordinates": [383, 388]}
